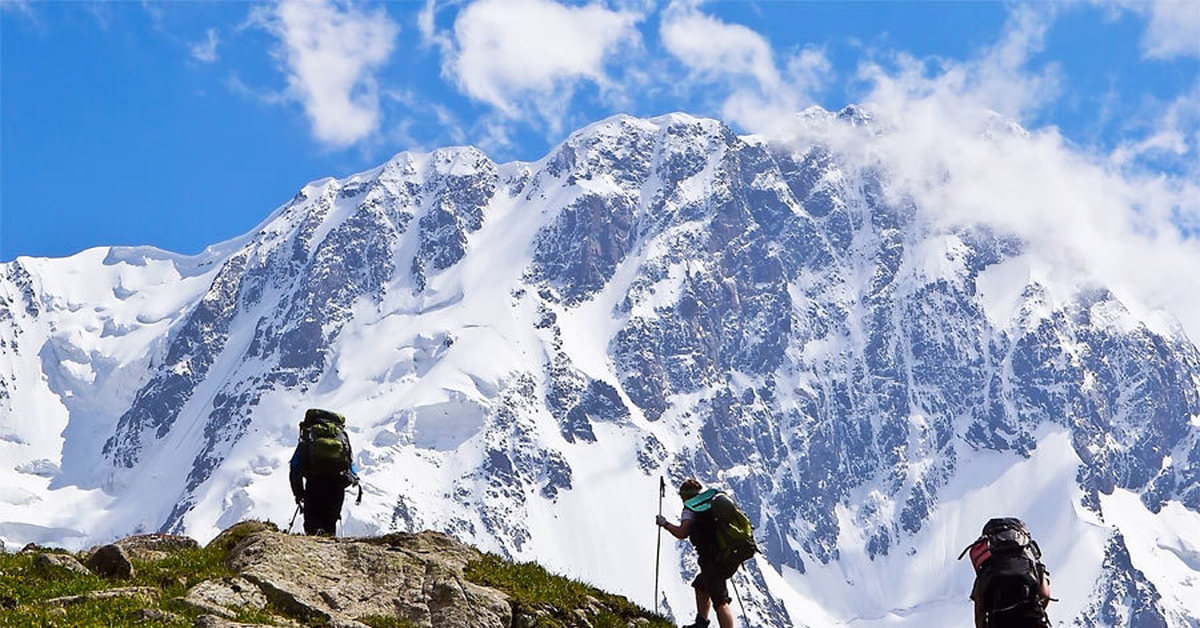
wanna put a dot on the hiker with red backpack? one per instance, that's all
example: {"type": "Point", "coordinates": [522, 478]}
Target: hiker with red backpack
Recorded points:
{"type": "Point", "coordinates": [1012, 586]}
{"type": "Point", "coordinates": [321, 470]}
{"type": "Point", "coordinates": [721, 534]}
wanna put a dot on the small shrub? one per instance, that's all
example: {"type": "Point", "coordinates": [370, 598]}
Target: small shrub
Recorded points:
{"type": "Point", "coordinates": [535, 591]}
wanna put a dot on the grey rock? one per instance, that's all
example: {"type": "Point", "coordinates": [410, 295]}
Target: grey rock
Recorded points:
{"type": "Point", "coordinates": [52, 564]}
{"type": "Point", "coordinates": [416, 577]}
{"type": "Point", "coordinates": [141, 594]}
{"type": "Point", "coordinates": [154, 615]}
{"type": "Point", "coordinates": [150, 547]}
{"type": "Point", "coordinates": [224, 597]}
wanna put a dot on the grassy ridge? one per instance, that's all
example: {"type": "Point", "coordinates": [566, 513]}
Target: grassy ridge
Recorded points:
{"type": "Point", "coordinates": [552, 599]}
{"type": "Point", "coordinates": [538, 597]}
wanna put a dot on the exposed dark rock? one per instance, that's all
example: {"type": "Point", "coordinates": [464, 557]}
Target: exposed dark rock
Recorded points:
{"type": "Point", "coordinates": [110, 561]}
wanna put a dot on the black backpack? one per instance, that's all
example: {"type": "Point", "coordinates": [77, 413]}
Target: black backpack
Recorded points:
{"type": "Point", "coordinates": [1008, 569]}
{"type": "Point", "coordinates": [327, 446]}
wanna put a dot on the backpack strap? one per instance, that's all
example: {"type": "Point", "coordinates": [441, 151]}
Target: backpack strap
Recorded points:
{"type": "Point", "coordinates": [701, 502]}
{"type": "Point", "coordinates": [968, 548]}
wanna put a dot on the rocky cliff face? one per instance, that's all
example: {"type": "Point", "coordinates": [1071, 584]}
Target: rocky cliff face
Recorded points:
{"type": "Point", "coordinates": [781, 319]}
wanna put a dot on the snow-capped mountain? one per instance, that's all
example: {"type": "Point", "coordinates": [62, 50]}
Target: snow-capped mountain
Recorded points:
{"type": "Point", "coordinates": [521, 350]}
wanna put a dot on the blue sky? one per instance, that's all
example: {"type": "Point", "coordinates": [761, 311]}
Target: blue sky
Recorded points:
{"type": "Point", "coordinates": [180, 125]}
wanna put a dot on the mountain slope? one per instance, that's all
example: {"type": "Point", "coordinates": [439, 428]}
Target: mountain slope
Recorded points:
{"type": "Point", "coordinates": [519, 347]}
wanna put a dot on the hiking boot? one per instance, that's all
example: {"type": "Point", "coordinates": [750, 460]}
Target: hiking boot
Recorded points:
{"type": "Point", "coordinates": [700, 623]}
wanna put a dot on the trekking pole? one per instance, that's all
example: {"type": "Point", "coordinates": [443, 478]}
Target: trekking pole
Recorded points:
{"type": "Point", "coordinates": [662, 492]}
{"type": "Point", "coordinates": [293, 521]}
{"type": "Point", "coordinates": [739, 599]}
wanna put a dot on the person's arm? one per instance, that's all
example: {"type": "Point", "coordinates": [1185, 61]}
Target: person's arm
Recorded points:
{"type": "Point", "coordinates": [296, 475]}
{"type": "Point", "coordinates": [1044, 591]}
{"type": "Point", "coordinates": [680, 531]}
{"type": "Point", "coordinates": [980, 615]}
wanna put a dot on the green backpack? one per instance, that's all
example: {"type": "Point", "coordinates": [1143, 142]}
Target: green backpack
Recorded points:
{"type": "Point", "coordinates": [735, 536]}
{"type": "Point", "coordinates": [324, 434]}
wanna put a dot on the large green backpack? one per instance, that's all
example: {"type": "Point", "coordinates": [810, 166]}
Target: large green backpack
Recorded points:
{"type": "Point", "coordinates": [735, 536]}
{"type": "Point", "coordinates": [324, 434]}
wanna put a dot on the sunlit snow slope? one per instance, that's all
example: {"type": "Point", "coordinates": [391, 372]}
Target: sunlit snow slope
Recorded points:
{"type": "Point", "coordinates": [522, 349]}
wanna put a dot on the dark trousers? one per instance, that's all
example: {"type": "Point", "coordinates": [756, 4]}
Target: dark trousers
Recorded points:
{"type": "Point", "coordinates": [711, 582]}
{"type": "Point", "coordinates": [323, 499]}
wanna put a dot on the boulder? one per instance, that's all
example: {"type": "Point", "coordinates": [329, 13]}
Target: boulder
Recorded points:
{"type": "Point", "coordinates": [413, 577]}
{"type": "Point", "coordinates": [231, 536]}
{"type": "Point", "coordinates": [110, 561]}
{"type": "Point", "coordinates": [148, 547]}
{"type": "Point", "coordinates": [56, 564]}
{"type": "Point", "coordinates": [224, 597]}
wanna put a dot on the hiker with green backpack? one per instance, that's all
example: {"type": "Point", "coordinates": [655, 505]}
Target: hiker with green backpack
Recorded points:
{"type": "Point", "coordinates": [321, 470]}
{"type": "Point", "coordinates": [723, 539]}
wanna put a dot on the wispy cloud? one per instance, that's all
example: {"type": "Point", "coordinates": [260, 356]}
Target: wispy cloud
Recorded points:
{"type": "Point", "coordinates": [522, 55]}
{"type": "Point", "coordinates": [17, 6]}
{"type": "Point", "coordinates": [713, 48]}
{"type": "Point", "coordinates": [331, 53]}
{"type": "Point", "coordinates": [1174, 28]}
{"type": "Point", "coordinates": [206, 51]}
{"type": "Point", "coordinates": [742, 64]}
{"type": "Point", "coordinates": [1085, 216]}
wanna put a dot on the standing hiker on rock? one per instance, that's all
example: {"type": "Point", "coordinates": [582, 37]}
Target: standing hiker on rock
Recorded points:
{"type": "Point", "coordinates": [321, 470]}
{"type": "Point", "coordinates": [722, 538]}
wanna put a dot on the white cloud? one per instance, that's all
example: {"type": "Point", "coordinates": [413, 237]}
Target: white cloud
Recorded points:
{"type": "Point", "coordinates": [518, 53]}
{"type": "Point", "coordinates": [21, 6]}
{"type": "Point", "coordinates": [206, 51]}
{"type": "Point", "coordinates": [330, 53]}
{"type": "Point", "coordinates": [996, 80]}
{"type": "Point", "coordinates": [1086, 216]}
{"type": "Point", "coordinates": [427, 28]}
{"type": "Point", "coordinates": [741, 64]}
{"type": "Point", "coordinates": [714, 48]}
{"type": "Point", "coordinates": [1174, 28]}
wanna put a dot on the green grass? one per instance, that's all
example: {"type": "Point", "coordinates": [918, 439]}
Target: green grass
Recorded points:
{"type": "Point", "coordinates": [536, 591]}
{"type": "Point", "coordinates": [24, 589]}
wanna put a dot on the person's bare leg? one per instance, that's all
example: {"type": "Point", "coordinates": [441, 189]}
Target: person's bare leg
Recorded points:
{"type": "Point", "coordinates": [702, 604]}
{"type": "Point", "coordinates": [724, 616]}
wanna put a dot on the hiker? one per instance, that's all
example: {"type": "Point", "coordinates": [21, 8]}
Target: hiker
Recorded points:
{"type": "Point", "coordinates": [1012, 586]}
{"type": "Point", "coordinates": [321, 470]}
{"type": "Point", "coordinates": [710, 584]}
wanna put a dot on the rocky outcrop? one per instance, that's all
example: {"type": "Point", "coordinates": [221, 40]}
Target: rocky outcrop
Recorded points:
{"type": "Point", "coordinates": [254, 575]}
{"type": "Point", "coordinates": [422, 579]}
{"type": "Point", "coordinates": [414, 577]}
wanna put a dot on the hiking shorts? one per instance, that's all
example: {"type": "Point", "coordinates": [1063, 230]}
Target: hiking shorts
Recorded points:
{"type": "Point", "coordinates": [709, 581]}
{"type": "Point", "coordinates": [1031, 619]}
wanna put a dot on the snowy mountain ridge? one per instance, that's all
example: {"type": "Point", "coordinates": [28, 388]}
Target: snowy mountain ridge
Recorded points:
{"type": "Point", "coordinates": [520, 346]}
